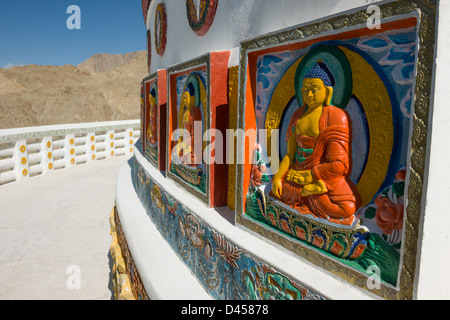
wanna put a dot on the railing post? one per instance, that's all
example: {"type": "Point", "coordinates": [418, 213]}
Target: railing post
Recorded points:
{"type": "Point", "coordinates": [69, 151]}
{"type": "Point", "coordinates": [110, 144]}
{"type": "Point", "coordinates": [21, 166]}
{"type": "Point", "coordinates": [47, 154]}
{"type": "Point", "coordinates": [129, 137]}
{"type": "Point", "coordinates": [91, 149]}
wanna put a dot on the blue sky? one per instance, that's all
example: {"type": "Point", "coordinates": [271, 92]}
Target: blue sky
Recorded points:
{"type": "Point", "coordinates": [35, 31]}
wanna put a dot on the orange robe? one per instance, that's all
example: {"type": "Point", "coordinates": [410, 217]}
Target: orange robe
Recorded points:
{"type": "Point", "coordinates": [153, 124]}
{"type": "Point", "coordinates": [194, 115]}
{"type": "Point", "coordinates": [329, 162]}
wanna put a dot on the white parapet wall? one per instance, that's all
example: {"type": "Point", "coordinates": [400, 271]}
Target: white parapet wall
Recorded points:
{"type": "Point", "coordinates": [32, 151]}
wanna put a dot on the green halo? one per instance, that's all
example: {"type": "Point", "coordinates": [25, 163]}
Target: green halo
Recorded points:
{"type": "Point", "coordinates": [339, 66]}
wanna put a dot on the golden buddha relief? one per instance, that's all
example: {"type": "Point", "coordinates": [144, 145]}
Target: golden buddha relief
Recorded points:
{"type": "Point", "coordinates": [313, 177]}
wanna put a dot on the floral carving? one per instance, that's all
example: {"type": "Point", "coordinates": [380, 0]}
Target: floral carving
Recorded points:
{"type": "Point", "coordinates": [194, 231]}
{"type": "Point", "coordinates": [389, 215]}
{"type": "Point", "coordinates": [226, 250]}
{"type": "Point", "coordinates": [388, 209]}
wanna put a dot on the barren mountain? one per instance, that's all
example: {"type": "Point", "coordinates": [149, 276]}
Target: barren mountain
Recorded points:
{"type": "Point", "coordinates": [104, 62]}
{"type": "Point", "coordinates": [103, 88]}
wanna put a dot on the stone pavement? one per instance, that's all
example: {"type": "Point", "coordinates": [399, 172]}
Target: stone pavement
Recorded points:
{"type": "Point", "coordinates": [55, 234]}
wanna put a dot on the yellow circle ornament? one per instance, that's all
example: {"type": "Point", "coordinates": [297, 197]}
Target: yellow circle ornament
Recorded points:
{"type": "Point", "coordinates": [24, 160]}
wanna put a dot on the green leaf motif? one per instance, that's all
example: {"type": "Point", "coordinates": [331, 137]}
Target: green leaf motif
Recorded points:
{"type": "Point", "coordinates": [398, 188]}
{"type": "Point", "coordinates": [370, 213]}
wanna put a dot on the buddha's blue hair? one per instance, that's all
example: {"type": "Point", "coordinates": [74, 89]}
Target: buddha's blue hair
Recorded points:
{"type": "Point", "coordinates": [321, 71]}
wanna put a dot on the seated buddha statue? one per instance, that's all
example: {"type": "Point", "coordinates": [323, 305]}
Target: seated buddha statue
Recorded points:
{"type": "Point", "coordinates": [313, 177]}
{"type": "Point", "coordinates": [152, 127]}
{"type": "Point", "coordinates": [191, 114]}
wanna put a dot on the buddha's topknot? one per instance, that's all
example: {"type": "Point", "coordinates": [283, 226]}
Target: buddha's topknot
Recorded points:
{"type": "Point", "coordinates": [321, 71]}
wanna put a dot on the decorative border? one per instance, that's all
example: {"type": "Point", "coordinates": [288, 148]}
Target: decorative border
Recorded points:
{"type": "Point", "coordinates": [426, 10]}
{"type": "Point", "coordinates": [200, 25]}
{"type": "Point", "coordinates": [186, 66]}
{"type": "Point", "coordinates": [161, 37]}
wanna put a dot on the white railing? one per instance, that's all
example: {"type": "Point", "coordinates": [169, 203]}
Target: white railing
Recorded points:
{"type": "Point", "coordinates": [32, 151]}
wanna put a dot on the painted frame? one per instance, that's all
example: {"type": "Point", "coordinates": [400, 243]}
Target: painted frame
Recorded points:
{"type": "Point", "coordinates": [156, 154]}
{"type": "Point", "coordinates": [212, 70]}
{"type": "Point", "coordinates": [184, 70]}
{"type": "Point", "coordinates": [414, 176]}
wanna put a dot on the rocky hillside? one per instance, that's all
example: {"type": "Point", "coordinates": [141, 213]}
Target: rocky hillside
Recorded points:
{"type": "Point", "coordinates": [103, 62]}
{"type": "Point", "coordinates": [103, 88]}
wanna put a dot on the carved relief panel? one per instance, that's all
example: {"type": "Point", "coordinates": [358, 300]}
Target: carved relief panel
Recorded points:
{"type": "Point", "coordinates": [328, 110]}
{"type": "Point", "coordinates": [194, 115]}
{"type": "Point", "coordinates": [154, 118]}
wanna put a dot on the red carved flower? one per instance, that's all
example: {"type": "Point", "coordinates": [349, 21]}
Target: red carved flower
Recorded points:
{"type": "Point", "coordinates": [318, 241]}
{"type": "Point", "coordinates": [401, 175]}
{"type": "Point", "coordinates": [285, 226]}
{"type": "Point", "coordinates": [300, 233]}
{"type": "Point", "coordinates": [337, 248]}
{"type": "Point", "coordinates": [272, 218]}
{"type": "Point", "coordinates": [358, 251]}
{"type": "Point", "coordinates": [389, 215]}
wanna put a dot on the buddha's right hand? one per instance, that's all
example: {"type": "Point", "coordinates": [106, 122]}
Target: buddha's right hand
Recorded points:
{"type": "Point", "coordinates": [300, 177]}
{"type": "Point", "coordinates": [277, 188]}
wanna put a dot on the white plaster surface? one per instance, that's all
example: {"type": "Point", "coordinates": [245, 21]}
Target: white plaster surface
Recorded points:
{"type": "Point", "coordinates": [151, 267]}
{"type": "Point", "coordinates": [70, 126]}
{"type": "Point", "coordinates": [236, 20]}
{"type": "Point", "coordinates": [434, 248]}
{"type": "Point", "coordinates": [49, 223]}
